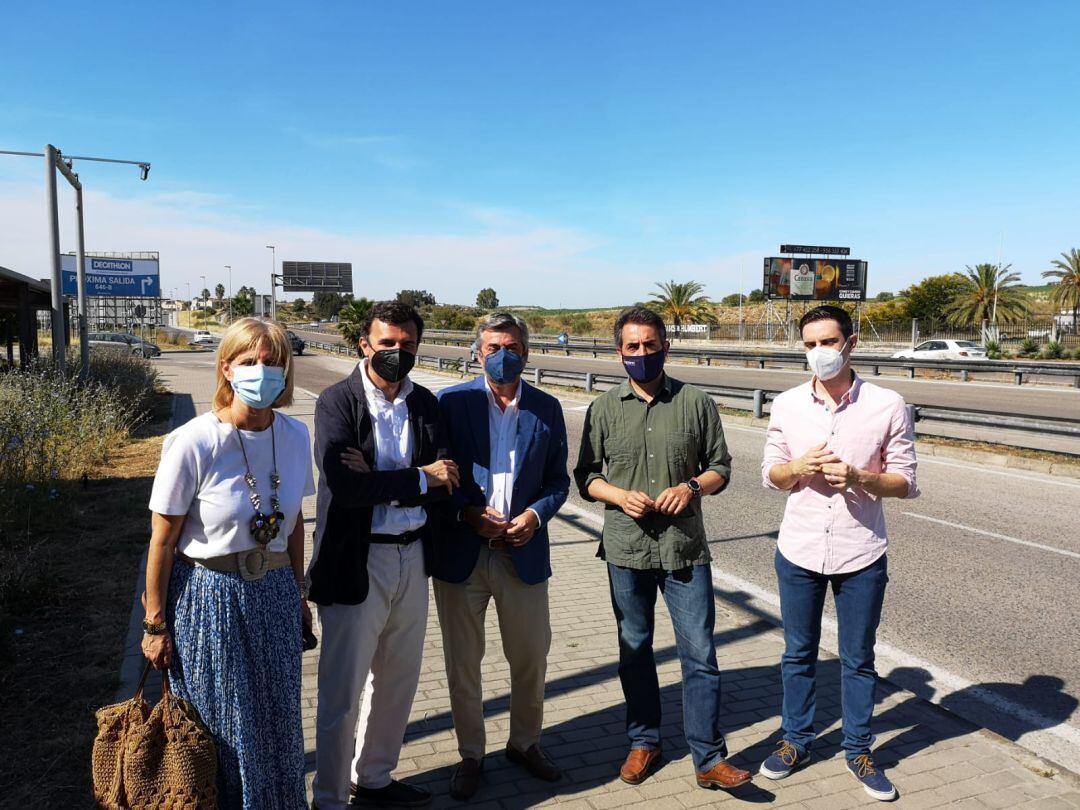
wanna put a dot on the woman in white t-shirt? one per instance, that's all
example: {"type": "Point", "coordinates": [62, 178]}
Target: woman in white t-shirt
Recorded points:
{"type": "Point", "coordinates": [225, 570]}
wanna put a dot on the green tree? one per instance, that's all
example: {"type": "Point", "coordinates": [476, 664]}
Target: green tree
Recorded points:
{"type": "Point", "coordinates": [351, 319]}
{"type": "Point", "coordinates": [487, 299]}
{"type": "Point", "coordinates": [451, 316]}
{"type": "Point", "coordinates": [733, 300]}
{"type": "Point", "coordinates": [1066, 293]}
{"type": "Point", "coordinates": [581, 325]}
{"type": "Point", "coordinates": [683, 302]}
{"type": "Point", "coordinates": [989, 293]}
{"type": "Point", "coordinates": [205, 294]}
{"type": "Point", "coordinates": [299, 306]}
{"type": "Point", "coordinates": [928, 299]}
{"type": "Point", "coordinates": [242, 306]}
{"type": "Point", "coordinates": [219, 292]}
{"type": "Point", "coordinates": [884, 296]}
{"type": "Point", "coordinates": [327, 304]}
{"type": "Point", "coordinates": [537, 323]}
{"type": "Point", "coordinates": [755, 297]}
{"type": "Point", "coordinates": [416, 298]}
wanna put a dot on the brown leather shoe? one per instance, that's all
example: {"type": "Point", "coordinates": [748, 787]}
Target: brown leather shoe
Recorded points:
{"type": "Point", "coordinates": [640, 762]}
{"type": "Point", "coordinates": [535, 761]}
{"type": "Point", "coordinates": [724, 776]}
{"type": "Point", "coordinates": [466, 779]}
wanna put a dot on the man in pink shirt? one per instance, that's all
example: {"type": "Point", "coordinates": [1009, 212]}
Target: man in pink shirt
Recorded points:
{"type": "Point", "coordinates": [839, 445]}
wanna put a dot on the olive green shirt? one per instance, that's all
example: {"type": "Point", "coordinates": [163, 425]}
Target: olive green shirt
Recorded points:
{"type": "Point", "coordinates": [649, 447]}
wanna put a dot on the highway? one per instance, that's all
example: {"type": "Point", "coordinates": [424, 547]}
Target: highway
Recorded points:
{"type": "Point", "coordinates": [1057, 401]}
{"type": "Point", "coordinates": [984, 572]}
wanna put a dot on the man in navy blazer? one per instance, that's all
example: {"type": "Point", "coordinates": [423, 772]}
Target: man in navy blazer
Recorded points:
{"type": "Point", "coordinates": [509, 441]}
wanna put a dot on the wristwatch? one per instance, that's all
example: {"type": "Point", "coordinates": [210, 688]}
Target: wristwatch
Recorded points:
{"type": "Point", "coordinates": [695, 487]}
{"type": "Point", "coordinates": [153, 628]}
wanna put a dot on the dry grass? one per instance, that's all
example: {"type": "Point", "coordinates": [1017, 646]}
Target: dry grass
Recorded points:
{"type": "Point", "coordinates": [62, 640]}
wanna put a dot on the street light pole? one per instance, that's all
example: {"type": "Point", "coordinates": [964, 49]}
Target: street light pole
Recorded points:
{"type": "Point", "coordinates": [54, 255]}
{"type": "Point", "coordinates": [273, 282]}
{"type": "Point", "coordinates": [80, 276]}
{"type": "Point", "coordinates": [229, 268]}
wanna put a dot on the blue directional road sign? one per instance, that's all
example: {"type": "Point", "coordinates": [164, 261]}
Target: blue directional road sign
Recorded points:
{"type": "Point", "coordinates": [113, 278]}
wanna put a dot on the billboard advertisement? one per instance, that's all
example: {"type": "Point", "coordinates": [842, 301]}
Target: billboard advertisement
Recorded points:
{"type": "Point", "coordinates": [316, 276]}
{"type": "Point", "coordinates": [113, 278]}
{"type": "Point", "coordinates": [815, 279]}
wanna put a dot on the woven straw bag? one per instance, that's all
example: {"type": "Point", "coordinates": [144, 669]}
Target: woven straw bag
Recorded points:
{"type": "Point", "coordinates": [156, 758]}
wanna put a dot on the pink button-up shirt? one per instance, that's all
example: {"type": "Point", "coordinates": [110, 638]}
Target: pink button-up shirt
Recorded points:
{"type": "Point", "coordinates": [824, 529]}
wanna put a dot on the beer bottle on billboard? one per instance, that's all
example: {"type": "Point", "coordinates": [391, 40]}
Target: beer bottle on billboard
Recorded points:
{"type": "Point", "coordinates": [802, 280]}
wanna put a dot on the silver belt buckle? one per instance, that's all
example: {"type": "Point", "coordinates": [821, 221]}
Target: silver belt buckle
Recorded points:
{"type": "Point", "coordinates": [253, 564]}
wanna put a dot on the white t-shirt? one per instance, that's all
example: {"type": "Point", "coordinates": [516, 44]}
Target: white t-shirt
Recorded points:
{"type": "Point", "coordinates": [201, 475]}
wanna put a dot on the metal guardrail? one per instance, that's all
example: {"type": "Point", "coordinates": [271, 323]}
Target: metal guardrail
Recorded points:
{"type": "Point", "coordinates": [757, 398]}
{"type": "Point", "coordinates": [706, 356]}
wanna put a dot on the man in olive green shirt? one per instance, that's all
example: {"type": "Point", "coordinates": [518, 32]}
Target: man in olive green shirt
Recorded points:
{"type": "Point", "coordinates": [650, 449]}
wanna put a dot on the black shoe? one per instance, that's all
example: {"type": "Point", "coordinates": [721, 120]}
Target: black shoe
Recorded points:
{"type": "Point", "coordinates": [466, 779]}
{"type": "Point", "coordinates": [396, 794]}
{"type": "Point", "coordinates": [535, 761]}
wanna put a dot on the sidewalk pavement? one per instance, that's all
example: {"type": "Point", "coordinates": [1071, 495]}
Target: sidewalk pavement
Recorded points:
{"type": "Point", "coordinates": [935, 758]}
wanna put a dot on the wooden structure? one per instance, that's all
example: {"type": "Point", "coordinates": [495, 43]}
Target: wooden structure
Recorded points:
{"type": "Point", "coordinates": [21, 298]}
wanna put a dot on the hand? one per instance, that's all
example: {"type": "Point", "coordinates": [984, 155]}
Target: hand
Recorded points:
{"type": "Point", "coordinates": [305, 614]}
{"type": "Point", "coordinates": [811, 463]}
{"type": "Point", "coordinates": [636, 504]}
{"type": "Point", "coordinates": [487, 522]}
{"type": "Point", "coordinates": [674, 499]}
{"type": "Point", "coordinates": [840, 475]}
{"type": "Point", "coordinates": [522, 528]}
{"type": "Point", "coordinates": [442, 473]}
{"type": "Point", "coordinates": [157, 649]}
{"type": "Point", "coordinates": [353, 460]}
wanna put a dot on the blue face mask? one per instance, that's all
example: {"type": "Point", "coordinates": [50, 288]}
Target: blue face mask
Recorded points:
{"type": "Point", "coordinates": [504, 366]}
{"type": "Point", "coordinates": [644, 368]}
{"type": "Point", "coordinates": [258, 386]}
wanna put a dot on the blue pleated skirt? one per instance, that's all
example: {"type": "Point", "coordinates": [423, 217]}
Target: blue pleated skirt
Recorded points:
{"type": "Point", "coordinates": [237, 648]}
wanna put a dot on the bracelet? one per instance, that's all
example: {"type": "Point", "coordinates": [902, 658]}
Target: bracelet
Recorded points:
{"type": "Point", "coordinates": [153, 628]}
{"type": "Point", "coordinates": [303, 589]}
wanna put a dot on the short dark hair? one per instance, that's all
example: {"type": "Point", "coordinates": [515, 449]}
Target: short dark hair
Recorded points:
{"type": "Point", "coordinates": [393, 312]}
{"type": "Point", "coordinates": [828, 313]}
{"type": "Point", "coordinates": [642, 316]}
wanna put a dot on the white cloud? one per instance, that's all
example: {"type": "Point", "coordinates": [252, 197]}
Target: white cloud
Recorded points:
{"type": "Point", "coordinates": [526, 261]}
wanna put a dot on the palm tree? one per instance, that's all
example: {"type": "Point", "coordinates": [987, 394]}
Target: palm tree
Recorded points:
{"type": "Point", "coordinates": [990, 295]}
{"type": "Point", "coordinates": [351, 319]}
{"type": "Point", "coordinates": [1066, 292]}
{"type": "Point", "coordinates": [219, 292]}
{"type": "Point", "coordinates": [683, 302]}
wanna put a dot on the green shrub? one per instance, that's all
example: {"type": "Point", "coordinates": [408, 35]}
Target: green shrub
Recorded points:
{"type": "Point", "coordinates": [993, 350]}
{"type": "Point", "coordinates": [1076, 354]}
{"type": "Point", "coordinates": [1028, 348]}
{"type": "Point", "coordinates": [1053, 351]}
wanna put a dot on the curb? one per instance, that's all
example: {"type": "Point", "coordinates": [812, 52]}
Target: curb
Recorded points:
{"type": "Point", "coordinates": [131, 666]}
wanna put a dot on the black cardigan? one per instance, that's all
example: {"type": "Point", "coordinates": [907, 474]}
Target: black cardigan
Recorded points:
{"type": "Point", "coordinates": [338, 570]}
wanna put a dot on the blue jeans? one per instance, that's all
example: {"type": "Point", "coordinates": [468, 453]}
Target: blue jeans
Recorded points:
{"type": "Point", "coordinates": [858, 597]}
{"type": "Point", "coordinates": [689, 597]}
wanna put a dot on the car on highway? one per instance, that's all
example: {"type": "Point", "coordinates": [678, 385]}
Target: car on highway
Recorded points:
{"type": "Point", "coordinates": [122, 343]}
{"type": "Point", "coordinates": [201, 336]}
{"type": "Point", "coordinates": [297, 344]}
{"type": "Point", "coordinates": [944, 350]}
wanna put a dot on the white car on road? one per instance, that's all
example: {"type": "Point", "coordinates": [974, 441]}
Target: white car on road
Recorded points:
{"type": "Point", "coordinates": [944, 350]}
{"type": "Point", "coordinates": [202, 336]}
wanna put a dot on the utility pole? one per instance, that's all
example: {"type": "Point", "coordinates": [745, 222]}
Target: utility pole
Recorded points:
{"type": "Point", "coordinates": [273, 282]}
{"type": "Point", "coordinates": [229, 268]}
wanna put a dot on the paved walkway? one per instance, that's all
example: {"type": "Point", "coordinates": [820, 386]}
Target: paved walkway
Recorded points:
{"type": "Point", "coordinates": [935, 758]}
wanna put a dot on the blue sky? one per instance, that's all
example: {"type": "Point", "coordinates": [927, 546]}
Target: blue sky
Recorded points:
{"type": "Point", "coordinates": [564, 153]}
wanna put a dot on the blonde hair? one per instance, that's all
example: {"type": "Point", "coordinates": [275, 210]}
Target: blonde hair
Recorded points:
{"type": "Point", "coordinates": [244, 335]}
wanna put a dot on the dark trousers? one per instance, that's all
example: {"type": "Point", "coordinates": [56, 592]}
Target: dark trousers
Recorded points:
{"type": "Point", "coordinates": [689, 597]}
{"type": "Point", "coordinates": [858, 597]}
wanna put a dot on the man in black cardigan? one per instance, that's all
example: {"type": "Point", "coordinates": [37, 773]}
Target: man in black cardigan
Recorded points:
{"type": "Point", "coordinates": [382, 459]}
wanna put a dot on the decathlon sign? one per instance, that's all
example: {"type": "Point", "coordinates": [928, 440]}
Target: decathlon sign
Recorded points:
{"type": "Point", "coordinates": [114, 278]}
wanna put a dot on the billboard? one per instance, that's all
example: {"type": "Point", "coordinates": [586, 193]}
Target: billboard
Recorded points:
{"type": "Point", "coordinates": [316, 276]}
{"type": "Point", "coordinates": [814, 279]}
{"type": "Point", "coordinates": [112, 277]}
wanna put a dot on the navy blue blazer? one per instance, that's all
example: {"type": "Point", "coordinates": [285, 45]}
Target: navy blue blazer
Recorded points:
{"type": "Point", "coordinates": [337, 573]}
{"type": "Point", "coordinates": [541, 481]}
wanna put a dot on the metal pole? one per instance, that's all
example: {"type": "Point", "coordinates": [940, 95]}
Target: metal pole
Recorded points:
{"type": "Point", "coordinates": [80, 274]}
{"type": "Point", "coordinates": [914, 332]}
{"type": "Point", "coordinates": [273, 282]}
{"type": "Point", "coordinates": [54, 251]}
{"type": "Point", "coordinates": [229, 268]}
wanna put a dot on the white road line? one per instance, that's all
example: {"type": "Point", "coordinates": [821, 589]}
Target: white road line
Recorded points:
{"type": "Point", "coordinates": [943, 682]}
{"type": "Point", "coordinates": [995, 535]}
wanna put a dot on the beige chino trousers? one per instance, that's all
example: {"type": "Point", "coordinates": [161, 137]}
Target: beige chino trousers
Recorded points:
{"type": "Point", "coordinates": [525, 627]}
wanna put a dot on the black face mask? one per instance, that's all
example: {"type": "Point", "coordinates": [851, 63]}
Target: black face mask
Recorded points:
{"type": "Point", "coordinates": [392, 364]}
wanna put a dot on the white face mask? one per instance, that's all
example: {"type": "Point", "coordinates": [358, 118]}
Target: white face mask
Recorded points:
{"type": "Point", "coordinates": [826, 363]}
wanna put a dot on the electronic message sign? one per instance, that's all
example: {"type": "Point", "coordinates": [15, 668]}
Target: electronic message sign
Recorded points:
{"type": "Point", "coordinates": [316, 276]}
